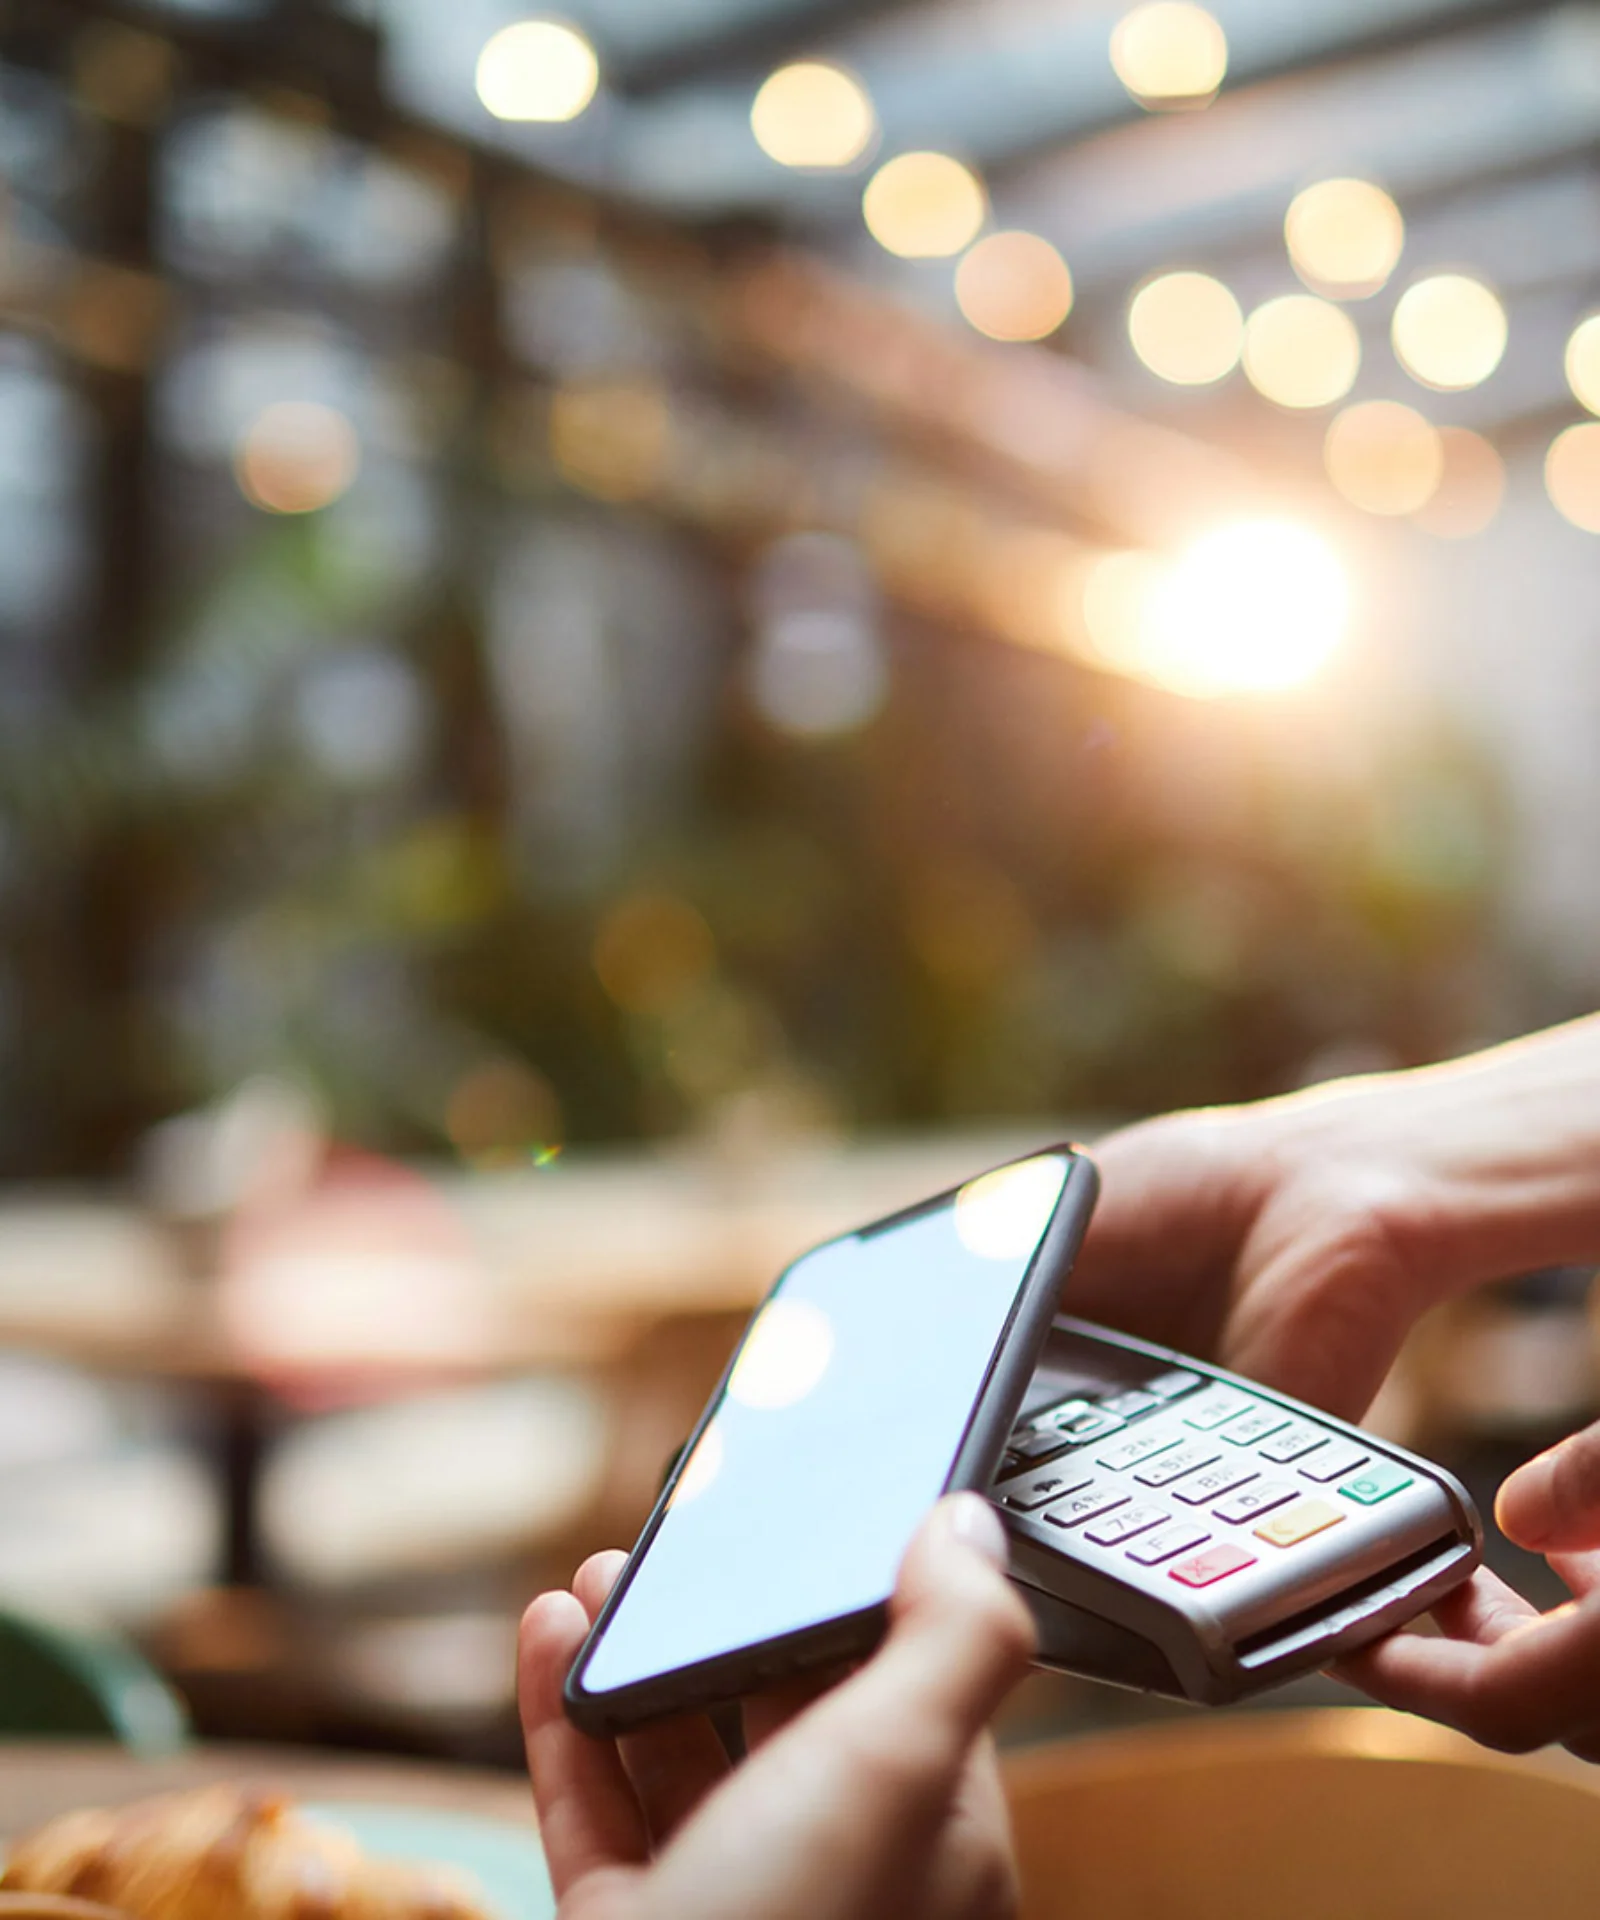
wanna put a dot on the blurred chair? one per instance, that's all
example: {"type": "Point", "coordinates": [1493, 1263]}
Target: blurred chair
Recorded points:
{"type": "Point", "coordinates": [56, 1682]}
{"type": "Point", "coordinates": [1342, 1814]}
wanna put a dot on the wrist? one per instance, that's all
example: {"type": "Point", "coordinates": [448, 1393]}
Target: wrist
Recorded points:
{"type": "Point", "coordinates": [1474, 1170]}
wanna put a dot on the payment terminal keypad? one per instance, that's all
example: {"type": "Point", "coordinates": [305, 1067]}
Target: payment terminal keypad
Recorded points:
{"type": "Point", "coordinates": [1201, 1480]}
{"type": "Point", "coordinates": [1176, 1528]}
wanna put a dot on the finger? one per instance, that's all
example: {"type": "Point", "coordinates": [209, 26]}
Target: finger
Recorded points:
{"type": "Point", "coordinates": [588, 1816]}
{"type": "Point", "coordinates": [973, 1865]}
{"type": "Point", "coordinates": [1579, 1571]}
{"type": "Point", "coordinates": [1532, 1679]}
{"type": "Point", "coordinates": [673, 1764]}
{"type": "Point", "coordinates": [1552, 1504]}
{"type": "Point", "coordinates": [867, 1776]}
{"type": "Point", "coordinates": [767, 1712]}
{"type": "Point", "coordinates": [593, 1581]}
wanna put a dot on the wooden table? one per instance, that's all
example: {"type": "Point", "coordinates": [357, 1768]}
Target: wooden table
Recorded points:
{"type": "Point", "coordinates": [570, 1268]}
{"type": "Point", "coordinates": [39, 1779]}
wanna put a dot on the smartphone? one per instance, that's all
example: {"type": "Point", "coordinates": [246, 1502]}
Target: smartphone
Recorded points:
{"type": "Point", "coordinates": [885, 1368]}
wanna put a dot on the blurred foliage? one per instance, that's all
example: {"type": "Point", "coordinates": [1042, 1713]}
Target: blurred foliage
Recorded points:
{"type": "Point", "coordinates": [452, 799]}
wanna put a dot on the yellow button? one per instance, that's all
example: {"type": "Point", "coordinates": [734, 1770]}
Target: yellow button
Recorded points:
{"type": "Point", "coordinates": [1298, 1523]}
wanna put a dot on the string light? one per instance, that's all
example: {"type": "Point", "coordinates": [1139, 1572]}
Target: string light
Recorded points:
{"type": "Point", "coordinates": [1344, 237]}
{"type": "Point", "coordinates": [537, 70]}
{"type": "Point", "coordinates": [1170, 54]}
{"type": "Point", "coordinates": [1383, 457]}
{"type": "Point", "coordinates": [1583, 363]}
{"type": "Point", "coordinates": [1449, 331]}
{"type": "Point", "coordinates": [813, 114]}
{"type": "Point", "coordinates": [1572, 475]}
{"type": "Point", "coordinates": [924, 205]}
{"type": "Point", "coordinates": [1014, 286]}
{"type": "Point", "coordinates": [1187, 328]}
{"type": "Point", "coordinates": [1301, 352]}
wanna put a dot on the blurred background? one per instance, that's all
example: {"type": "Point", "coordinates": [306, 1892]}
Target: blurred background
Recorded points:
{"type": "Point", "coordinates": [628, 638]}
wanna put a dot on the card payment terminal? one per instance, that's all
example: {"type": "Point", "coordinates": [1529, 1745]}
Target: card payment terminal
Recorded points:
{"type": "Point", "coordinates": [1185, 1532]}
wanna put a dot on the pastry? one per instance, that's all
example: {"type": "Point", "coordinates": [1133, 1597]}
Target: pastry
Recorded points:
{"type": "Point", "coordinates": [225, 1853]}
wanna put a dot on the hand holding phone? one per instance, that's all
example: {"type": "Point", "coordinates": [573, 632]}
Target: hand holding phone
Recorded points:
{"type": "Point", "coordinates": [884, 1369]}
{"type": "Point", "coordinates": [882, 1797]}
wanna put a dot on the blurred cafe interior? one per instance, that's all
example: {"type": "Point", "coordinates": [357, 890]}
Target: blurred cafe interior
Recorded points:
{"type": "Point", "coordinates": [629, 637]}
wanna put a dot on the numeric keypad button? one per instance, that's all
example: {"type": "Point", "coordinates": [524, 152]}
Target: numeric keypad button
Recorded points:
{"type": "Point", "coordinates": [1253, 1500]}
{"type": "Point", "coordinates": [1088, 1503]}
{"type": "Point", "coordinates": [1034, 1489]}
{"type": "Point", "coordinates": [1216, 1481]}
{"type": "Point", "coordinates": [1167, 1467]}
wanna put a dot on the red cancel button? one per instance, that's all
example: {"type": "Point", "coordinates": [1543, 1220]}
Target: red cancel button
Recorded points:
{"type": "Point", "coordinates": [1201, 1569]}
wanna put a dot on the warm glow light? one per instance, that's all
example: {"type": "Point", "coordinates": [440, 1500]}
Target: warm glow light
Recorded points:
{"type": "Point", "coordinates": [1301, 352]}
{"type": "Point", "coordinates": [1470, 489]}
{"type": "Point", "coordinates": [924, 205]}
{"type": "Point", "coordinates": [1002, 1215]}
{"type": "Point", "coordinates": [1583, 363]}
{"type": "Point", "coordinates": [1170, 54]}
{"type": "Point", "coordinates": [1344, 237]}
{"type": "Point", "coordinates": [812, 114]}
{"type": "Point", "coordinates": [1572, 475]}
{"type": "Point", "coordinates": [1117, 596]}
{"type": "Point", "coordinates": [611, 438]}
{"type": "Point", "coordinates": [1014, 286]}
{"type": "Point", "coordinates": [1449, 331]}
{"type": "Point", "coordinates": [537, 70]}
{"type": "Point", "coordinates": [1383, 457]}
{"type": "Point", "coordinates": [1187, 328]}
{"type": "Point", "coordinates": [1249, 608]}
{"type": "Point", "coordinates": [784, 1355]}
{"type": "Point", "coordinates": [296, 457]}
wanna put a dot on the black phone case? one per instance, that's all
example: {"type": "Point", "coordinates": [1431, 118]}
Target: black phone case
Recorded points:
{"type": "Point", "coordinates": [729, 1677]}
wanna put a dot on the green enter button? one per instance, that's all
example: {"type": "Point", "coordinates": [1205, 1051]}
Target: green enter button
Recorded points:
{"type": "Point", "coordinates": [1376, 1483]}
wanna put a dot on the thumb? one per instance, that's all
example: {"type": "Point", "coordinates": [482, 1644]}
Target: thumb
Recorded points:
{"type": "Point", "coordinates": [1552, 1504]}
{"type": "Point", "coordinates": [840, 1808]}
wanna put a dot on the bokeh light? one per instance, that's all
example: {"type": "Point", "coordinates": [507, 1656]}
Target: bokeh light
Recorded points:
{"type": "Point", "coordinates": [651, 951]}
{"type": "Point", "coordinates": [819, 671]}
{"type": "Point", "coordinates": [1471, 486]}
{"type": "Point", "coordinates": [1344, 237]}
{"type": "Point", "coordinates": [541, 70]}
{"type": "Point", "coordinates": [1301, 352]}
{"type": "Point", "coordinates": [1170, 54]}
{"type": "Point", "coordinates": [501, 1112]}
{"type": "Point", "coordinates": [610, 438]}
{"type": "Point", "coordinates": [1449, 331]}
{"type": "Point", "coordinates": [1014, 286]}
{"type": "Point", "coordinates": [1001, 1215]}
{"type": "Point", "coordinates": [784, 1356]}
{"type": "Point", "coordinates": [1583, 363]}
{"type": "Point", "coordinates": [1186, 328]}
{"type": "Point", "coordinates": [813, 114]}
{"type": "Point", "coordinates": [1572, 475]}
{"type": "Point", "coordinates": [924, 206]}
{"type": "Point", "coordinates": [296, 457]}
{"type": "Point", "coordinates": [1383, 457]}
{"type": "Point", "coordinates": [1252, 607]}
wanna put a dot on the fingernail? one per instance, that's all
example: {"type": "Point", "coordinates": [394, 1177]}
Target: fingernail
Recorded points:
{"type": "Point", "coordinates": [969, 1518]}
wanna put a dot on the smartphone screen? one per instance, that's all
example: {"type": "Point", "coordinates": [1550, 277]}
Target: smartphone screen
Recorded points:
{"type": "Point", "coordinates": [835, 1430]}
